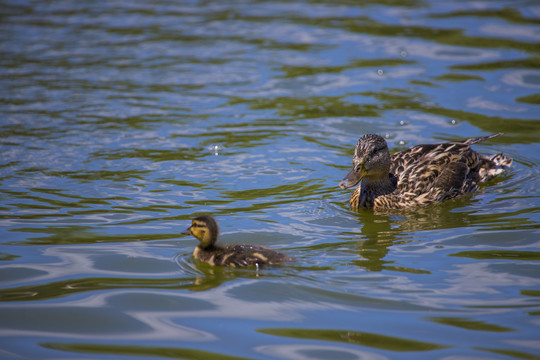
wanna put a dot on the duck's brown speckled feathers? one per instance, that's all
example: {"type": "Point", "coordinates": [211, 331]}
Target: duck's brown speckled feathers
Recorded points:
{"type": "Point", "coordinates": [420, 175]}
{"type": "Point", "coordinates": [206, 230]}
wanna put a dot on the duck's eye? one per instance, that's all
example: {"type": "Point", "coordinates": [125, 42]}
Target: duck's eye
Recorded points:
{"type": "Point", "coordinates": [375, 151]}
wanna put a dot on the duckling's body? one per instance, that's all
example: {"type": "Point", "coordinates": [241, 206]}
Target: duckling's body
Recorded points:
{"type": "Point", "coordinates": [205, 229]}
{"type": "Point", "coordinates": [420, 175]}
{"type": "Point", "coordinates": [239, 255]}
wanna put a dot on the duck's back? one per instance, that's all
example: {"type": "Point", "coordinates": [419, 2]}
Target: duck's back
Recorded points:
{"type": "Point", "coordinates": [418, 168]}
{"type": "Point", "coordinates": [435, 172]}
{"type": "Point", "coordinates": [240, 255]}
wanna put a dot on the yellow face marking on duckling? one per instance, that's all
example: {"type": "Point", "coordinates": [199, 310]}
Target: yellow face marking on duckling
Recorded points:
{"type": "Point", "coordinates": [200, 230]}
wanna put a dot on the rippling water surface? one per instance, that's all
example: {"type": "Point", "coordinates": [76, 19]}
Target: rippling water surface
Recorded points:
{"type": "Point", "coordinates": [122, 120]}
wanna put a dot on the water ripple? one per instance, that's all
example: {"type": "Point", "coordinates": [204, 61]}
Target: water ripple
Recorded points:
{"type": "Point", "coordinates": [122, 121]}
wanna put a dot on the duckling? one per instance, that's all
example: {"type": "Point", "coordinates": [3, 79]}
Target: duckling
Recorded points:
{"type": "Point", "coordinates": [206, 230]}
{"type": "Point", "coordinates": [420, 175]}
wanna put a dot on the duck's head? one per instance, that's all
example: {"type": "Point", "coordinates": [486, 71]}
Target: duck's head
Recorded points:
{"type": "Point", "coordinates": [371, 160]}
{"type": "Point", "coordinates": [205, 229]}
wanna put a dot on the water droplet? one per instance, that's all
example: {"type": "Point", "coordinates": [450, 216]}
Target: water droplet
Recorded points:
{"type": "Point", "coordinates": [403, 122]}
{"type": "Point", "coordinates": [216, 149]}
{"type": "Point", "coordinates": [401, 142]}
{"type": "Point", "coordinates": [403, 53]}
{"type": "Point", "coordinates": [380, 72]}
{"type": "Point", "coordinates": [453, 122]}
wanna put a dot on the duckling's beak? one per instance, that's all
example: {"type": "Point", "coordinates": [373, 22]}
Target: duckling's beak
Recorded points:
{"type": "Point", "coordinates": [353, 177]}
{"type": "Point", "coordinates": [187, 231]}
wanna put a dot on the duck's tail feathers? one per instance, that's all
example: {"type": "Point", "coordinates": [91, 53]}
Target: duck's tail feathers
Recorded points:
{"type": "Point", "coordinates": [495, 165]}
{"type": "Point", "coordinates": [500, 164]}
{"type": "Point", "coordinates": [479, 139]}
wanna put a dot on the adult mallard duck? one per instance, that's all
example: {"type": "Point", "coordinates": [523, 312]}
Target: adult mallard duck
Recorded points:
{"type": "Point", "coordinates": [420, 175]}
{"type": "Point", "coordinates": [206, 230]}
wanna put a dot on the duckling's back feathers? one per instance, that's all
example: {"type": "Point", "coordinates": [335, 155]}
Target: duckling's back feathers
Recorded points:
{"type": "Point", "coordinates": [240, 255]}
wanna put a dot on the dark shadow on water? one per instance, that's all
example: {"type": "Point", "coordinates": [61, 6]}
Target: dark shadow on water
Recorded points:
{"type": "Point", "coordinates": [381, 230]}
{"type": "Point", "coordinates": [384, 230]}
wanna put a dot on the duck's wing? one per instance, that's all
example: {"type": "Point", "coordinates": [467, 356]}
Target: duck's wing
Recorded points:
{"type": "Point", "coordinates": [421, 153]}
{"type": "Point", "coordinates": [435, 172]}
{"type": "Point", "coordinates": [403, 159]}
{"type": "Point", "coordinates": [423, 167]}
{"type": "Point", "coordinates": [436, 176]}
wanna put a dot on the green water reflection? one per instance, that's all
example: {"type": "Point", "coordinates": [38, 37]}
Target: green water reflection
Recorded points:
{"type": "Point", "coordinates": [134, 350]}
{"type": "Point", "coordinates": [531, 99]}
{"type": "Point", "coordinates": [511, 353]}
{"type": "Point", "coordinates": [500, 254]}
{"type": "Point", "coordinates": [470, 324]}
{"type": "Point", "coordinates": [121, 121]}
{"type": "Point", "coordinates": [505, 13]}
{"type": "Point", "coordinates": [74, 234]}
{"type": "Point", "coordinates": [357, 338]}
{"type": "Point", "coordinates": [295, 71]}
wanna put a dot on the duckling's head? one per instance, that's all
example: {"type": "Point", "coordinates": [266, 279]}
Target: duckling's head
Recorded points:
{"type": "Point", "coordinates": [371, 160]}
{"type": "Point", "coordinates": [205, 229]}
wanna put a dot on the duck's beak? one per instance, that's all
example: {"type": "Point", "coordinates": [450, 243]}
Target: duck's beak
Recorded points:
{"type": "Point", "coordinates": [353, 177]}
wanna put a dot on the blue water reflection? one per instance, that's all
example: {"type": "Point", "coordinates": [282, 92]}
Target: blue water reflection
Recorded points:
{"type": "Point", "coordinates": [121, 121]}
